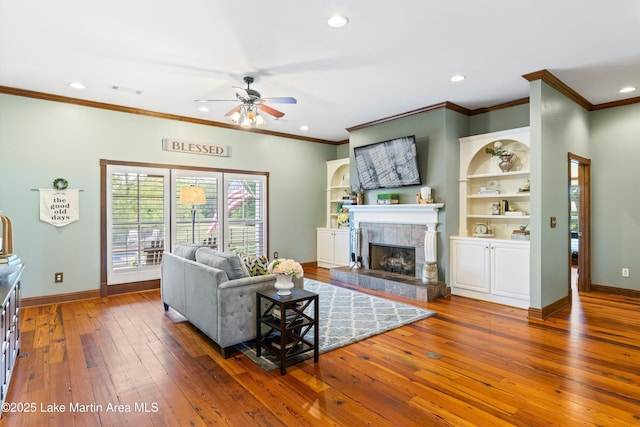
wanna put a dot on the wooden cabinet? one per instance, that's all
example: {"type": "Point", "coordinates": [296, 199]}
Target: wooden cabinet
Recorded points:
{"type": "Point", "coordinates": [10, 328]}
{"type": "Point", "coordinates": [491, 270]}
{"type": "Point", "coordinates": [332, 247]}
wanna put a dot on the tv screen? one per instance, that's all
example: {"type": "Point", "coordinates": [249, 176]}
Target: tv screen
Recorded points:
{"type": "Point", "coordinates": [388, 164]}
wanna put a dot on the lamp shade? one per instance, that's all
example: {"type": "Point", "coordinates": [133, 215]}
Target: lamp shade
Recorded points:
{"type": "Point", "coordinates": [192, 195]}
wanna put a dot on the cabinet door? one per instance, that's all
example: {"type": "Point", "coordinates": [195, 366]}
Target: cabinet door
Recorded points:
{"type": "Point", "coordinates": [325, 248]}
{"type": "Point", "coordinates": [341, 247]}
{"type": "Point", "coordinates": [470, 268]}
{"type": "Point", "coordinates": [510, 267]}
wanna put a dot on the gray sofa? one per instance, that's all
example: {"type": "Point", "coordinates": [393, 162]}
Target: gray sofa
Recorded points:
{"type": "Point", "coordinates": [214, 292]}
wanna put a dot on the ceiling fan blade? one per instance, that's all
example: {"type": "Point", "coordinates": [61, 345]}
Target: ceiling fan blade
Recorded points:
{"type": "Point", "coordinates": [275, 113]}
{"type": "Point", "coordinates": [233, 110]}
{"type": "Point", "coordinates": [281, 100]}
{"type": "Point", "coordinates": [215, 100]}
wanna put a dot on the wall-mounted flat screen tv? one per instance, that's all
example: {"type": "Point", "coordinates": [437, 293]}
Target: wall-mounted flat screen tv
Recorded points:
{"type": "Point", "coordinates": [388, 164]}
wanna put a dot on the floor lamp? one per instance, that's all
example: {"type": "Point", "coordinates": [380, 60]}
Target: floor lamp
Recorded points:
{"type": "Point", "coordinates": [192, 195]}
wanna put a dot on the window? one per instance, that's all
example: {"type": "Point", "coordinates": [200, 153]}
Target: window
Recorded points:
{"type": "Point", "coordinates": [207, 224]}
{"type": "Point", "coordinates": [144, 216]}
{"type": "Point", "coordinates": [245, 214]}
{"type": "Point", "coordinates": [136, 223]}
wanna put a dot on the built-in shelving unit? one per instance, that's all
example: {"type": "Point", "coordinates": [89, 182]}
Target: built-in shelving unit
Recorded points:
{"type": "Point", "coordinates": [332, 241]}
{"type": "Point", "coordinates": [486, 262]}
{"type": "Point", "coordinates": [485, 190]}
{"type": "Point", "coordinates": [338, 186]}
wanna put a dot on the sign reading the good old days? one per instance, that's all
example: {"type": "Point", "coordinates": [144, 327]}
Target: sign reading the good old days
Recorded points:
{"type": "Point", "coordinates": [59, 207]}
{"type": "Point", "coordinates": [195, 148]}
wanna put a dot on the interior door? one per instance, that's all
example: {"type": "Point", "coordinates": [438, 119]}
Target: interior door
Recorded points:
{"type": "Point", "coordinates": [580, 220]}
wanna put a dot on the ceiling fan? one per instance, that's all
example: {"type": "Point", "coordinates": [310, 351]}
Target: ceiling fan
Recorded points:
{"type": "Point", "coordinates": [246, 114]}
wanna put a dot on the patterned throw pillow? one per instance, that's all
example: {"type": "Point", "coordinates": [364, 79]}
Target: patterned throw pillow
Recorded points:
{"type": "Point", "coordinates": [256, 265]}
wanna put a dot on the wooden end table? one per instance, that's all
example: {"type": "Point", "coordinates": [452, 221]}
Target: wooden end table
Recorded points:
{"type": "Point", "coordinates": [287, 325]}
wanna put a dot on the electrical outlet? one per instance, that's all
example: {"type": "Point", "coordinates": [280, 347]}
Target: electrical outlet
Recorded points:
{"type": "Point", "coordinates": [275, 255]}
{"type": "Point", "coordinates": [57, 277]}
{"type": "Point", "coordinates": [625, 272]}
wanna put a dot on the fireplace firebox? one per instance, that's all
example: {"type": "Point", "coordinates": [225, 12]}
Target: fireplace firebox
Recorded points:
{"type": "Point", "coordinates": [393, 258]}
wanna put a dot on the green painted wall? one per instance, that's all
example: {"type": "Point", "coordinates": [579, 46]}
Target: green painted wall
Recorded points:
{"type": "Point", "coordinates": [558, 126]}
{"type": "Point", "coordinates": [438, 154]}
{"type": "Point", "coordinates": [43, 140]}
{"type": "Point", "coordinates": [497, 120]}
{"type": "Point", "coordinates": [615, 203]}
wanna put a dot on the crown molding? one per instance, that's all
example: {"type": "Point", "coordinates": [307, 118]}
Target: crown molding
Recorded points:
{"type": "Point", "coordinates": [434, 107]}
{"type": "Point", "coordinates": [560, 86]}
{"type": "Point", "coordinates": [547, 77]}
{"type": "Point", "coordinates": [521, 101]}
{"type": "Point", "coordinates": [612, 104]}
{"type": "Point", "coordinates": [544, 75]}
{"type": "Point", "coordinates": [113, 107]}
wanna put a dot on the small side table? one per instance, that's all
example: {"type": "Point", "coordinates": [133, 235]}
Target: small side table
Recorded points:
{"type": "Point", "coordinates": [288, 325]}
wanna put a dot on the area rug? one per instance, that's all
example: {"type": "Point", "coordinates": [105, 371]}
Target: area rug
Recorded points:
{"type": "Point", "coordinates": [345, 317]}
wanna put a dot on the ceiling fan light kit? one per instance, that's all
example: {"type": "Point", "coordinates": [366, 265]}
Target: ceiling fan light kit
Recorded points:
{"type": "Point", "coordinates": [246, 114]}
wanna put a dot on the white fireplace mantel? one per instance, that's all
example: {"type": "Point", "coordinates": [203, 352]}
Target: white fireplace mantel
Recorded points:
{"type": "Point", "coordinates": [397, 214]}
{"type": "Point", "coordinates": [426, 214]}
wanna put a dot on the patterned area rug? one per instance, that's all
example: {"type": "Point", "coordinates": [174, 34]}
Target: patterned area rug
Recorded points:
{"type": "Point", "coordinates": [346, 316]}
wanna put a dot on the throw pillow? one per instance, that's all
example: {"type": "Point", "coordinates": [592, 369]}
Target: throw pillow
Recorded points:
{"type": "Point", "coordinates": [229, 262]}
{"type": "Point", "coordinates": [186, 250]}
{"type": "Point", "coordinates": [256, 265]}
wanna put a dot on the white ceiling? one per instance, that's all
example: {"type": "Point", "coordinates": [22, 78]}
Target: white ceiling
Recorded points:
{"type": "Point", "coordinates": [393, 57]}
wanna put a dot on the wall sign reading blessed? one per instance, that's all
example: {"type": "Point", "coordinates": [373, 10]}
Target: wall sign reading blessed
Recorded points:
{"type": "Point", "coordinates": [195, 148]}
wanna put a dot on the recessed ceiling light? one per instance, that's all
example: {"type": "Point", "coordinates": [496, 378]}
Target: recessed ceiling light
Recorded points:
{"type": "Point", "coordinates": [304, 128]}
{"type": "Point", "coordinates": [627, 89]}
{"type": "Point", "coordinates": [76, 85]}
{"type": "Point", "coordinates": [338, 21]}
{"type": "Point", "coordinates": [458, 78]}
{"type": "Point", "coordinates": [203, 109]}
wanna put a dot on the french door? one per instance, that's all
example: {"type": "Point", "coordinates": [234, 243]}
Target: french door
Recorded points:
{"type": "Point", "coordinates": [145, 216]}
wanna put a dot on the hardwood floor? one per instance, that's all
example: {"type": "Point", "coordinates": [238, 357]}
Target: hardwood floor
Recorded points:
{"type": "Point", "coordinates": [474, 363]}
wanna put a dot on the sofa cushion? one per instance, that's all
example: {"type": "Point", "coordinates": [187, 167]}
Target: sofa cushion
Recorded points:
{"type": "Point", "coordinates": [186, 250]}
{"type": "Point", "coordinates": [256, 265]}
{"type": "Point", "coordinates": [229, 262]}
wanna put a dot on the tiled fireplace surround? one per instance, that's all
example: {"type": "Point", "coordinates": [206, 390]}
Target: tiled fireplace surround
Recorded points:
{"type": "Point", "coordinates": [402, 225]}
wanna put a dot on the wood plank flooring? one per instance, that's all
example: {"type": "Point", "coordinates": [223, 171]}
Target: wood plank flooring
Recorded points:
{"type": "Point", "coordinates": [122, 361]}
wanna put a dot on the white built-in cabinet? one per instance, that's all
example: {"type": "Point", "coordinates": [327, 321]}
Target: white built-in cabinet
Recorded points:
{"type": "Point", "coordinates": [333, 247]}
{"type": "Point", "coordinates": [491, 270]}
{"type": "Point", "coordinates": [486, 263]}
{"type": "Point", "coordinates": [333, 242]}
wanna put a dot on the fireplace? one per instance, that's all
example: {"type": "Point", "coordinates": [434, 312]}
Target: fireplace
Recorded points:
{"type": "Point", "coordinates": [410, 269]}
{"type": "Point", "coordinates": [393, 258]}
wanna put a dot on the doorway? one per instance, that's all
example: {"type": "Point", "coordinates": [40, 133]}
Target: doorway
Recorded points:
{"type": "Point", "coordinates": [579, 223]}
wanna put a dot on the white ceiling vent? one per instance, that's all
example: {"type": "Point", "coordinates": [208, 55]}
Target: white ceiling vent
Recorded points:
{"type": "Point", "coordinates": [126, 89]}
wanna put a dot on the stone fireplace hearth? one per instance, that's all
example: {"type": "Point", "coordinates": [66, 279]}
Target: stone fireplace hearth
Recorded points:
{"type": "Point", "coordinates": [410, 229]}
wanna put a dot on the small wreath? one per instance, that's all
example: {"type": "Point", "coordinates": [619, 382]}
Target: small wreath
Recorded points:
{"type": "Point", "coordinates": [60, 184]}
